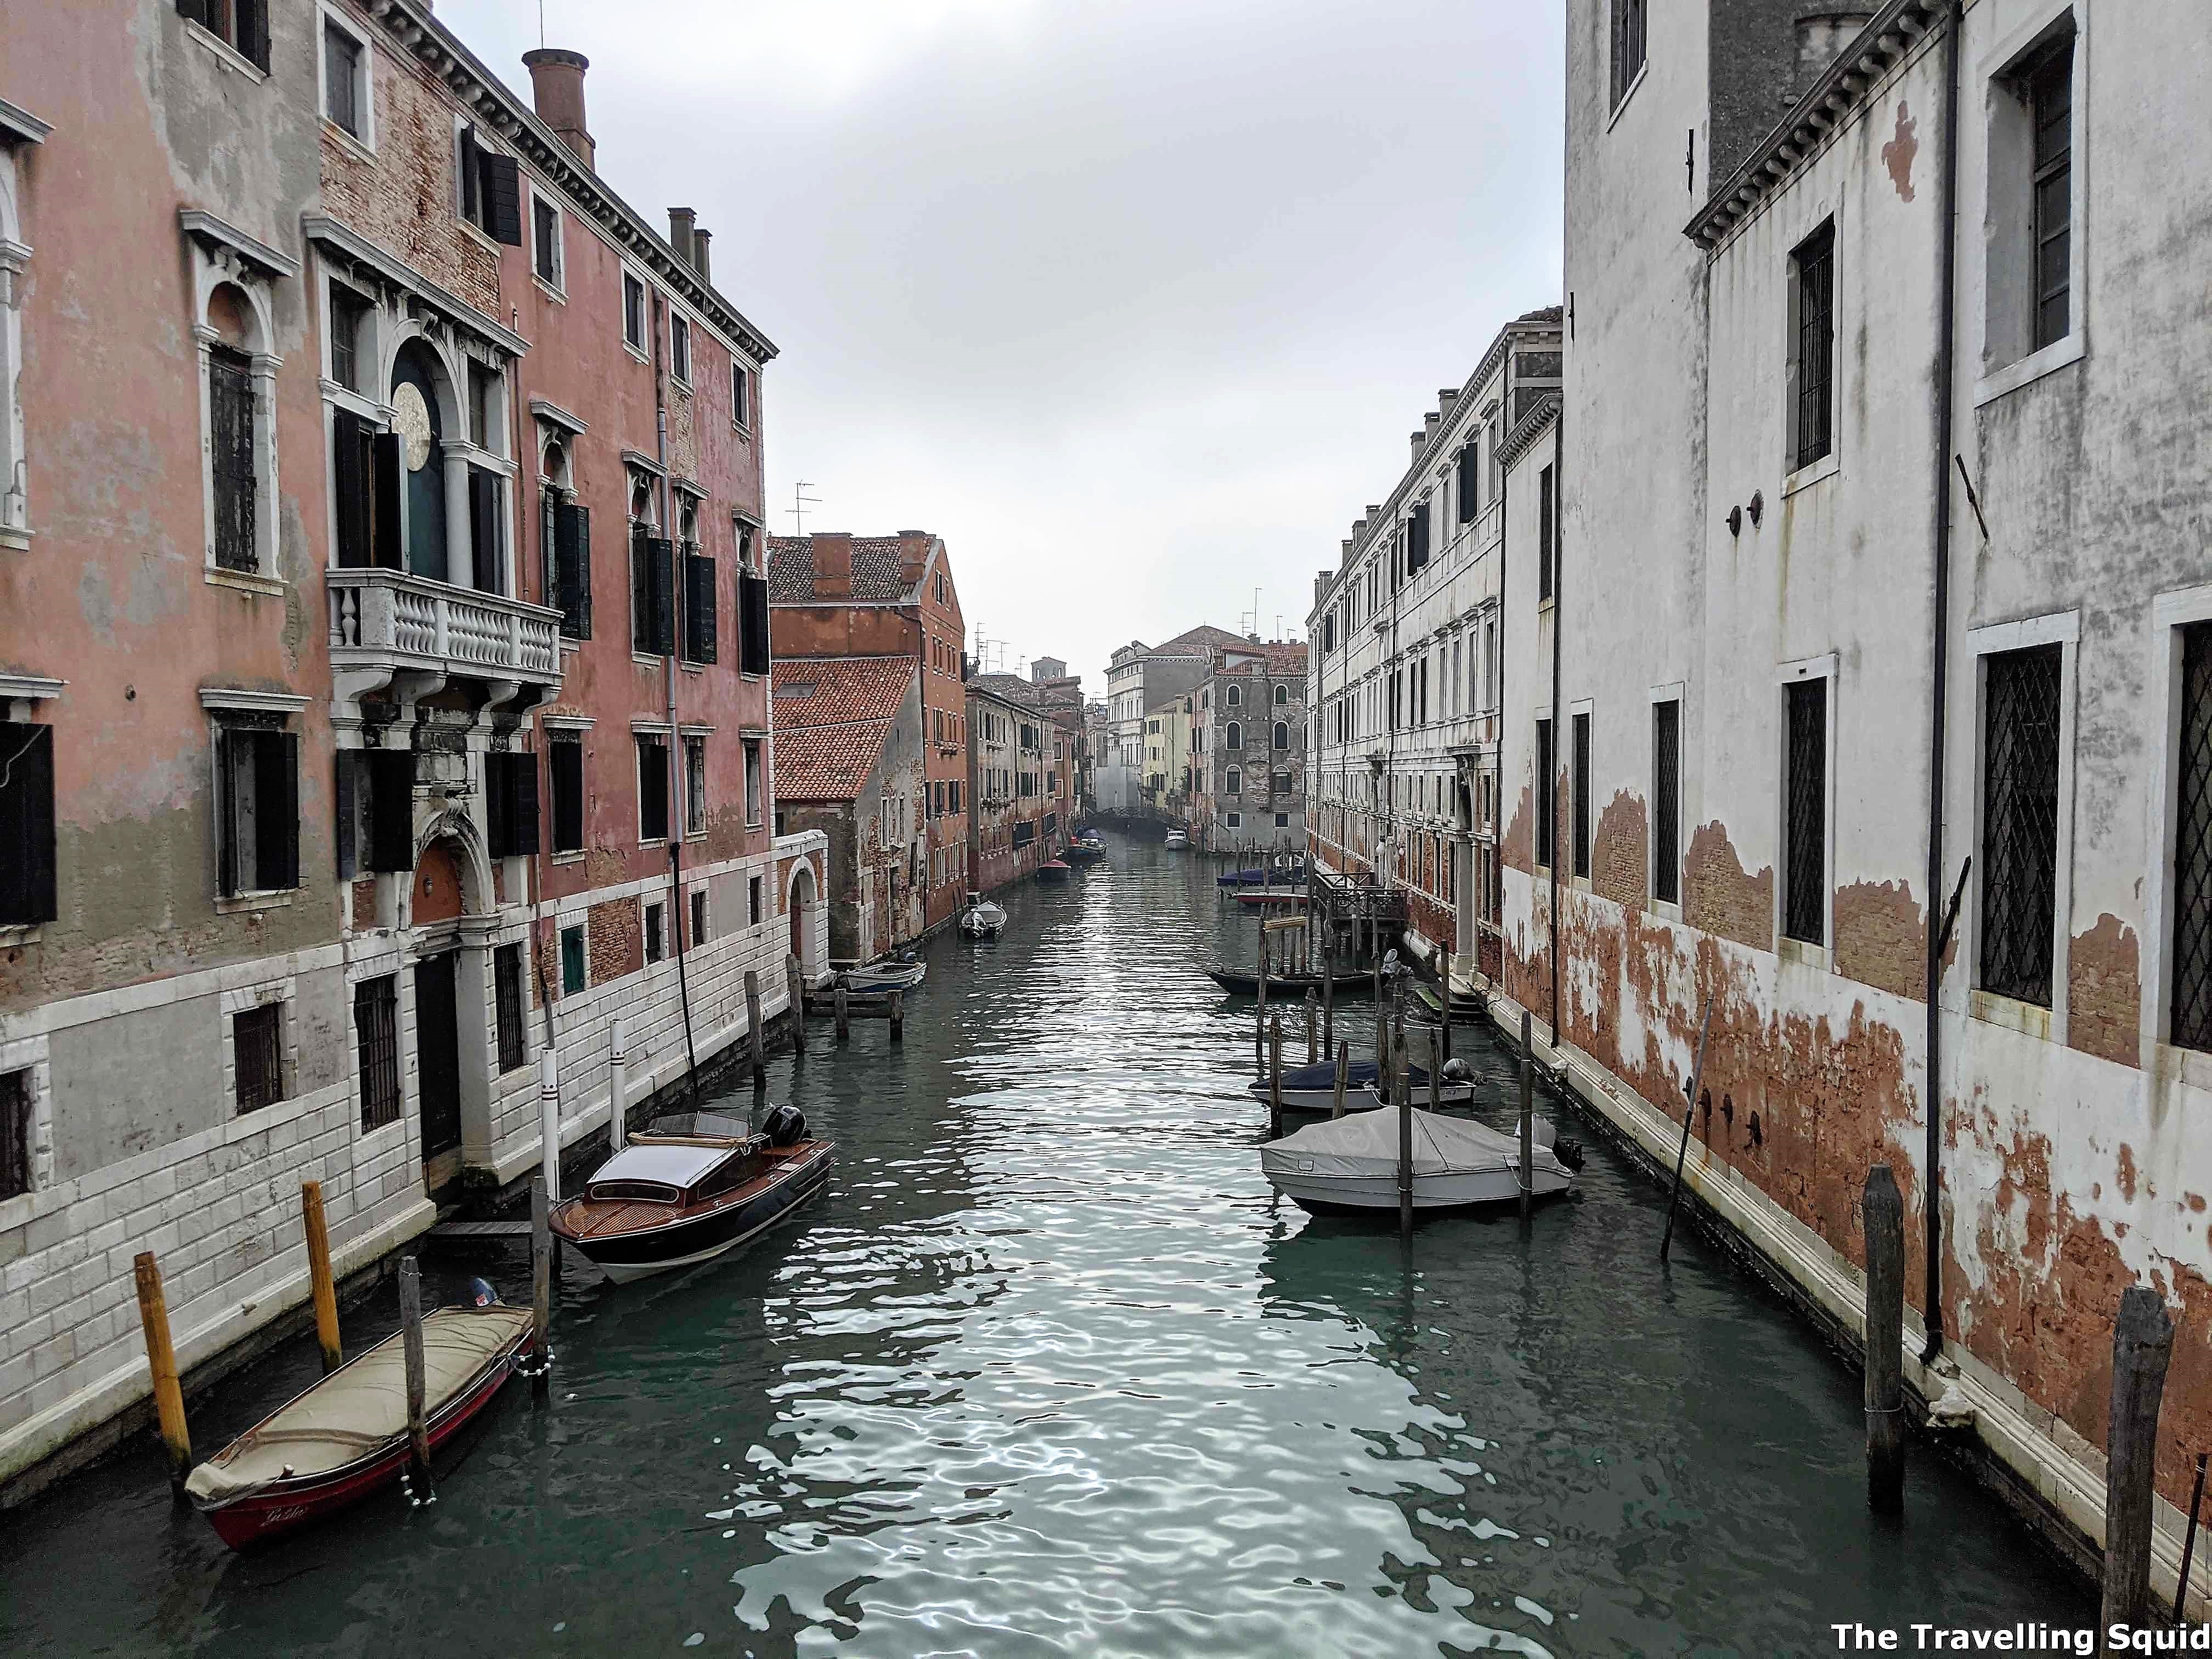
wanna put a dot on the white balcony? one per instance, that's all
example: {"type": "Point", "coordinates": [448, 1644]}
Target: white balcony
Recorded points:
{"type": "Point", "coordinates": [414, 635]}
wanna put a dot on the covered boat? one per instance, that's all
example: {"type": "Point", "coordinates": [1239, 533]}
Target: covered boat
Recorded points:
{"type": "Point", "coordinates": [982, 919]}
{"type": "Point", "coordinates": [900, 973]}
{"type": "Point", "coordinates": [1313, 1088]}
{"type": "Point", "coordinates": [346, 1437]}
{"type": "Point", "coordinates": [1349, 1166]}
{"type": "Point", "coordinates": [1053, 870]}
{"type": "Point", "coordinates": [690, 1188]}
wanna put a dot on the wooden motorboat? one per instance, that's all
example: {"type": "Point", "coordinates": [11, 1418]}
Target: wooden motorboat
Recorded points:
{"type": "Point", "coordinates": [1349, 1166]}
{"type": "Point", "coordinates": [1294, 986]}
{"type": "Point", "coordinates": [689, 1188]}
{"type": "Point", "coordinates": [1088, 848]}
{"type": "Point", "coordinates": [1313, 1088]}
{"type": "Point", "coordinates": [982, 919]}
{"type": "Point", "coordinates": [1177, 839]}
{"type": "Point", "coordinates": [900, 973]}
{"type": "Point", "coordinates": [1282, 870]}
{"type": "Point", "coordinates": [346, 1437]}
{"type": "Point", "coordinates": [1053, 870]}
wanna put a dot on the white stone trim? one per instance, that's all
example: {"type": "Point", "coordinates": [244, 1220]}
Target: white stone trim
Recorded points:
{"type": "Point", "coordinates": [243, 701]}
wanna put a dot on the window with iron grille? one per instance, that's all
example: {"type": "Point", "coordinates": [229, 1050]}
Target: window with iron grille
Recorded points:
{"type": "Point", "coordinates": [1628, 45]}
{"type": "Point", "coordinates": [1667, 802]}
{"type": "Point", "coordinates": [15, 1134]}
{"type": "Point", "coordinates": [230, 457]}
{"type": "Point", "coordinates": [1805, 812]}
{"type": "Point", "coordinates": [376, 1035]}
{"type": "Point", "coordinates": [2019, 820]}
{"type": "Point", "coordinates": [1547, 792]}
{"type": "Point", "coordinates": [1812, 268]}
{"type": "Point", "coordinates": [257, 1051]}
{"type": "Point", "coordinates": [1579, 787]}
{"type": "Point", "coordinates": [507, 1005]}
{"type": "Point", "coordinates": [2191, 1025]}
{"type": "Point", "coordinates": [2051, 107]}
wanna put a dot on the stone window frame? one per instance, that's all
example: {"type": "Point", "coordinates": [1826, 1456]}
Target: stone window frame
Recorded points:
{"type": "Point", "coordinates": [555, 288]}
{"type": "Point", "coordinates": [329, 17]}
{"type": "Point", "coordinates": [2062, 629]}
{"type": "Point", "coordinates": [1676, 692]}
{"type": "Point", "coordinates": [2170, 613]}
{"type": "Point", "coordinates": [30, 1054]}
{"type": "Point", "coordinates": [633, 345]}
{"type": "Point", "coordinates": [1796, 671]}
{"type": "Point", "coordinates": [19, 131]}
{"type": "Point", "coordinates": [580, 920]}
{"type": "Point", "coordinates": [284, 992]}
{"type": "Point", "coordinates": [396, 964]}
{"type": "Point", "coordinates": [224, 257]}
{"type": "Point", "coordinates": [287, 708]}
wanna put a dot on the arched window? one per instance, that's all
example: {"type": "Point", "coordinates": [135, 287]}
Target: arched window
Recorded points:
{"type": "Point", "coordinates": [418, 401]}
{"type": "Point", "coordinates": [1282, 697]}
{"type": "Point", "coordinates": [1236, 781]}
{"type": "Point", "coordinates": [1235, 695]}
{"type": "Point", "coordinates": [1234, 739]}
{"type": "Point", "coordinates": [1282, 735]}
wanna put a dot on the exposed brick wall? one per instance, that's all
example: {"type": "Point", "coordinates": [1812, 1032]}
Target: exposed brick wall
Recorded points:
{"type": "Point", "coordinates": [1719, 895]}
{"type": "Point", "coordinates": [2103, 995]}
{"type": "Point", "coordinates": [617, 939]}
{"type": "Point", "coordinates": [1881, 938]}
{"type": "Point", "coordinates": [1619, 854]}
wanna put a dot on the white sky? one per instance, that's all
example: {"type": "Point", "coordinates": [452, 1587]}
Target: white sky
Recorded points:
{"type": "Point", "coordinates": [1133, 301]}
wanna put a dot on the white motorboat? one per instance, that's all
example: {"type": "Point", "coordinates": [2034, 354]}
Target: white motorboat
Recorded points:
{"type": "Point", "coordinates": [982, 919]}
{"type": "Point", "coordinates": [1313, 1088]}
{"type": "Point", "coordinates": [900, 973]}
{"type": "Point", "coordinates": [1349, 1166]}
{"type": "Point", "coordinates": [1177, 839]}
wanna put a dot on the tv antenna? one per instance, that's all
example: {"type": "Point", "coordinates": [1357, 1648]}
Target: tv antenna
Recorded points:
{"type": "Point", "coordinates": [800, 501]}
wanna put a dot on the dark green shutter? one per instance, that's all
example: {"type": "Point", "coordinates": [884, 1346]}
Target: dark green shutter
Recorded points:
{"type": "Point", "coordinates": [391, 808]}
{"type": "Point", "coordinates": [752, 623]}
{"type": "Point", "coordinates": [348, 772]}
{"type": "Point", "coordinates": [226, 813]}
{"type": "Point", "coordinates": [640, 590]}
{"type": "Point", "coordinates": [276, 809]}
{"type": "Point", "coordinates": [470, 165]}
{"type": "Point", "coordinates": [351, 465]}
{"type": "Point", "coordinates": [662, 565]}
{"type": "Point", "coordinates": [26, 825]}
{"type": "Point", "coordinates": [498, 822]}
{"type": "Point", "coordinates": [567, 767]}
{"type": "Point", "coordinates": [388, 471]}
{"type": "Point", "coordinates": [701, 641]}
{"type": "Point", "coordinates": [501, 195]}
{"type": "Point", "coordinates": [522, 804]}
{"type": "Point", "coordinates": [484, 529]}
{"type": "Point", "coordinates": [572, 554]}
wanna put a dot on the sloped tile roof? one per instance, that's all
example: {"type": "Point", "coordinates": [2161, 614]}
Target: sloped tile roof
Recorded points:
{"type": "Point", "coordinates": [832, 717]}
{"type": "Point", "coordinates": [1196, 641]}
{"type": "Point", "coordinates": [1277, 657]}
{"type": "Point", "coordinates": [826, 763]}
{"type": "Point", "coordinates": [876, 578]}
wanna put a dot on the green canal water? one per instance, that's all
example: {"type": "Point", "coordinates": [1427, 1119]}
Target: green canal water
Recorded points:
{"type": "Point", "coordinates": [1048, 1370]}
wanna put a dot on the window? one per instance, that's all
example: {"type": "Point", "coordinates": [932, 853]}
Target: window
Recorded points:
{"type": "Point", "coordinates": [1667, 802]}
{"type": "Point", "coordinates": [741, 414]}
{"type": "Point", "coordinates": [1812, 303]}
{"type": "Point", "coordinates": [652, 592]}
{"type": "Point", "coordinates": [701, 639]}
{"type": "Point", "coordinates": [565, 760]}
{"type": "Point", "coordinates": [1235, 783]}
{"type": "Point", "coordinates": [241, 25]}
{"type": "Point", "coordinates": [1547, 535]}
{"type": "Point", "coordinates": [753, 900]}
{"type": "Point", "coordinates": [680, 348]}
{"type": "Point", "coordinates": [1282, 697]}
{"type": "Point", "coordinates": [1282, 820]}
{"type": "Point", "coordinates": [1235, 737]}
{"type": "Point", "coordinates": [232, 475]}
{"type": "Point", "coordinates": [1546, 796]}
{"type": "Point", "coordinates": [753, 790]}
{"type": "Point", "coordinates": [1235, 695]}
{"type": "Point", "coordinates": [2050, 115]}
{"type": "Point", "coordinates": [699, 915]}
{"type": "Point", "coordinates": [574, 964]}
{"type": "Point", "coordinates": [695, 786]}
{"type": "Point", "coordinates": [1282, 735]}
{"type": "Point", "coordinates": [376, 1038]}
{"type": "Point", "coordinates": [345, 99]}
{"type": "Point", "coordinates": [545, 242]}
{"type": "Point", "coordinates": [258, 1052]}
{"type": "Point", "coordinates": [1578, 788]}
{"type": "Point", "coordinates": [256, 810]}
{"type": "Point", "coordinates": [568, 572]}
{"type": "Point", "coordinates": [508, 1004]}
{"type": "Point", "coordinates": [27, 887]}
{"type": "Point", "coordinates": [656, 945]}
{"type": "Point", "coordinates": [2019, 820]}
{"type": "Point", "coordinates": [2191, 1020]}
{"type": "Point", "coordinates": [652, 788]}
{"type": "Point", "coordinates": [1628, 45]}
{"type": "Point", "coordinates": [510, 804]}
{"type": "Point", "coordinates": [633, 313]}
{"type": "Point", "coordinates": [1805, 811]}
{"type": "Point", "coordinates": [1417, 539]}
{"type": "Point", "coordinates": [348, 312]}
{"type": "Point", "coordinates": [1234, 820]}
{"type": "Point", "coordinates": [490, 188]}
{"type": "Point", "coordinates": [16, 1128]}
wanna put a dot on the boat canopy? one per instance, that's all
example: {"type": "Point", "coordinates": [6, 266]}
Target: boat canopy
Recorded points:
{"type": "Point", "coordinates": [679, 1167]}
{"type": "Point", "coordinates": [1359, 1143]}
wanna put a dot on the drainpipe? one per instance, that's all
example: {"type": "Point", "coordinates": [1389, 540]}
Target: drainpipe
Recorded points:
{"type": "Point", "coordinates": [678, 810]}
{"type": "Point", "coordinates": [1558, 726]}
{"type": "Point", "coordinates": [1946, 332]}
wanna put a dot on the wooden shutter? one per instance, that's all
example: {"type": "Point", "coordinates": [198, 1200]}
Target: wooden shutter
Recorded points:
{"type": "Point", "coordinates": [522, 804]}
{"type": "Point", "coordinates": [276, 810]}
{"type": "Point", "coordinates": [661, 561]}
{"type": "Point", "coordinates": [388, 477]}
{"type": "Point", "coordinates": [349, 771]}
{"type": "Point", "coordinates": [640, 590]}
{"type": "Point", "coordinates": [469, 164]}
{"type": "Point", "coordinates": [253, 31]}
{"type": "Point", "coordinates": [351, 464]}
{"type": "Point", "coordinates": [197, 10]}
{"type": "Point", "coordinates": [567, 767]}
{"type": "Point", "coordinates": [501, 195]}
{"type": "Point", "coordinates": [571, 557]}
{"type": "Point", "coordinates": [498, 822]}
{"type": "Point", "coordinates": [27, 824]}
{"type": "Point", "coordinates": [700, 602]}
{"type": "Point", "coordinates": [391, 808]}
{"type": "Point", "coordinates": [752, 623]}
{"type": "Point", "coordinates": [484, 530]}
{"type": "Point", "coordinates": [1467, 483]}
{"type": "Point", "coordinates": [226, 817]}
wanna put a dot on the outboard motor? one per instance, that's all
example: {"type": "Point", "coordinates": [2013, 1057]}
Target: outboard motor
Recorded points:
{"type": "Point", "coordinates": [1458, 1071]}
{"type": "Point", "coordinates": [784, 1126]}
{"type": "Point", "coordinates": [1569, 1152]}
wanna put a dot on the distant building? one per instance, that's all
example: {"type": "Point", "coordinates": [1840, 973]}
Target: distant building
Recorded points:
{"type": "Point", "coordinates": [1021, 787]}
{"type": "Point", "coordinates": [1138, 678]}
{"type": "Point", "coordinates": [1248, 748]}
{"type": "Point", "coordinates": [1167, 771]}
{"type": "Point", "coordinates": [1046, 668]}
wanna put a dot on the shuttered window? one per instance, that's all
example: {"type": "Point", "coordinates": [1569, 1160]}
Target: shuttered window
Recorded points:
{"type": "Point", "coordinates": [353, 464]}
{"type": "Point", "coordinates": [653, 594]}
{"type": "Point", "coordinates": [242, 25]}
{"type": "Point", "coordinates": [571, 583]}
{"type": "Point", "coordinates": [491, 189]}
{"type": "Point", "coordinates": [27, 888]}
{"type": "Point", "coordinates": [1579, 787]}
{"type": "Point", "coordinates": [695, 786]}
{"type": "Point", "coordinates": [376, 1039]}
{"type": "Point", "coordinates": [341, 78]}
{"type": "Point", "coordinates": [257, 807]}
{"type": "Point", "coordinates": [752, 623]}
{"type": "Point", "coordinates": [375, 810]}
{"type": "Point", "coordinates": [1468, 484]}
{"type": "Point", "coordinates": [1546, 536]}
{"type": "Point", "coordinates": [230, 457]}
{"type": "Point", "coordinates": [489, 573]}
{"type": "Point", "coordinates": [2050, 104]}
{"type": "Point", "coordinates": [565, 758]}
{"type": "Point", "coordinates": [652, 788]}
{"type": "Point", "coordinates": [511, 804]}
{"type": "Point", "coordinates": [1628, 45]}
{"type": "Point", "coordinates": [700, 631]}
{"type": "Point", "coordinates": [1546, 793]}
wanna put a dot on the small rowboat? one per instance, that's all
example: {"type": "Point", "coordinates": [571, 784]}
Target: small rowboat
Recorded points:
{"type": "Point", "coordinates": [982, 919]}
{"type": "Point", "coordinates": [1349, 1166]}
{"type": "Point", "coordinates": [1313, 1088]}
{"type": "Point", "coordinates": [346, 1437]}
{"type": "Point", "coordinates": [1288, 985]}
{"type": "Point", "coordinates": [901, 975]}
{"type": "Point", "coordinates": [1286, 896]}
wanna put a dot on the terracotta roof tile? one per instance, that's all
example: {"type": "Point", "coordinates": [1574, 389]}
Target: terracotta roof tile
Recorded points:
{"type": "Point", "coordinates": [826, 763]}
{"type": "Point", "coordinates": [832, 716]}
{"type": "Point", "coordinates": [875, 577]}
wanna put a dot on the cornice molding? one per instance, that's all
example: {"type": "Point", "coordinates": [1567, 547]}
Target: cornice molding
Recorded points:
{"type": "Point", "coordinates": [256, 703]}
{"type": "Point", "coordinates": [19, 125]}
{"type": "Point", "coordinates": [206, 227]}
{"type": "Point", "coordinates": [1530, 426]}
{"type": "Point", "coordinates": [342, 240]}
{"type": "Point", "coordinates": [438, 50]}
{"type": "Point", "coordinates": [553, 415]}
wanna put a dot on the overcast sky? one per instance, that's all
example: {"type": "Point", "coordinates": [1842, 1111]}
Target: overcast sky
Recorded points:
{"type": "Point", "coordinates": [1133, 301]}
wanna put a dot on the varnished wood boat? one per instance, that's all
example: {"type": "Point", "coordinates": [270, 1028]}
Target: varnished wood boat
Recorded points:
{"type": "Point", "coordinates": [346, 1437]}
{"type": "Point", "coordinates": [1283, 896]}
{"type": "Point", "coordinates": [691, 1188]}
{"type": "Point", "coordinates": [1294, 986]}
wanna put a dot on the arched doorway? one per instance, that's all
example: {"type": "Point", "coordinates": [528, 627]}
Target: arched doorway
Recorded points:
{"type": "Point", "coordinates": [800, 904]}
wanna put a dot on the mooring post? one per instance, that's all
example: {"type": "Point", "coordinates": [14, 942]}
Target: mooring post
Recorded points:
{"type": "Point", "coordinates": [1527, 1112]}
{"type": "Point", "coordinates": [1276, 1078]}
{"type": "Point", "coordinates": [1313, 1025]}
{"type": "Point", "coordinates": [756, 1042]}
{"type": "Point", "coordinates": [1328, 991]}
{"type": "Point", "coordinates": [161, 1362]}
{"type": "Point", "coordinates": [2142, 1344]}
{"type": "Point", "coordinates": [795, 991]}
{"type": "Point", "coordinates": [2189, 1540]}
{"type": "Point", "coordinates": [1343, 1074]}
{"type": "Point", "coordinates": [844, 1016]}
{"type": "Point", "coordinates": [1883, 1207]}
{"type": "Point", "coordinates": [1260, 1024]}
{"type": "Point", "coordinates": [419, 1490]}
{"type": "Point", "coordinates": [1435, 1073]}
{"type": "Point", "coordinates": [318, 1275]}
{"type": "Point", "coordinates": [617, 1085]}
{"type": "Point", "coordinates": [541, 1286]}
{"type": "Point", "coordinates": [1405, 1143]}
{"type": "Point", "coordinates": [549, 1118]}
{"type": "Point", "coordinates": [1445, 1019]}
{"type": "Point", "coordinates": [898, 1016]}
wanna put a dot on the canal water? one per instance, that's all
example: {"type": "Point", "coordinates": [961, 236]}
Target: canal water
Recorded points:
{"type": "Point", "coordinates": [1048, 1370]}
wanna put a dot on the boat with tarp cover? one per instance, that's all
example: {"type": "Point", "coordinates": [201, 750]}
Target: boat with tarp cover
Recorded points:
{"type": "Point", "coordinates": [1313, 1088]}
{"type": "Point", "coordinates": [1349, 1166]}
{"type": "Point", "coordinates": [346, 1437]}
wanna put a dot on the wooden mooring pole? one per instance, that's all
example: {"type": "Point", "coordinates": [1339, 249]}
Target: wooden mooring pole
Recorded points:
{"type": "Point", "coordinates": [541, 1286]}
{"type": "Point", "coordinates": [756, 1041]}
{"type": "Point", "coordinates": [1689, 1113]}
{"type": "Point", "coordinates": [1275, 1078]}
{"type": "Point", "coordinates": [2142, 1344]}
{"type": "Point", "coordinates": [795, 991]}
{"type": "Point", "coordinates": [1260, 1025]}
{"type": "Point", "coordinates": [898, 1016]}
{"type": "Point", "coordinates": [1404, 1141]}
{"type": "Point", "coordinates": [1883, 1208]}
{"type": "Point", "coordinates": [1313, 1025]}
{"type": "Point", "coordinates": [419, 1490]}
{"type": "Point", "coordinates": [1527, 1112]}
{"type": "Point", "coordinates": [161, 1362]}
{"type": "Point", "coordinates": [843, 1018]}
{"type": "Point", "coordinates": [1328, 991]}
{"type": "Point", "coordinates": [1343, 1073]}
{"type": "Point", "coordinates": [318, 1275]}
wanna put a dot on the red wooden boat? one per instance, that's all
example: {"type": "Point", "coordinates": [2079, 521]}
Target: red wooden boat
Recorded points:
{"type": "Point", "coordinates": [346, 1437]}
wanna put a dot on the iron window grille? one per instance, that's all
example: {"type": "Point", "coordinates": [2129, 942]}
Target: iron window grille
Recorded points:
{"type": "Point", "coordinates": [257, 1050]}
{"type": "Point", "coordinates": [1580, 788]}
{"type": "Point", "coordinates": [2019, 821]}
{"type": "Point", "coordinates": [2191, 1011]}
{"type": "Point", "coordinates": [1628, 45]}
{"type": "Point", "coordinates": [507, 1005]}
{"type": "Point", "coordinates": [2051, 106]}
{"type": "Point", "coordinates": [1815, 264]}
{"type": "Point", "coordinates": [1667, 802]}
{"type": "Point", "coordinates": [230, 450]}
{"type": "Point", "coordinates": [376, 1028]}
{"type": "Point", "coordinates": [15, 1134]}
{"type": "Point", "coordinates": [1805, 813]}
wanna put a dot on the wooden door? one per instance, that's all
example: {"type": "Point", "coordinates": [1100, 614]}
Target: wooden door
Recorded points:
{"type": "Point", "coordinates": [437, 1053]}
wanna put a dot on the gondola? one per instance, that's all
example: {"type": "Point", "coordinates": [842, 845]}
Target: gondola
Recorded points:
{"type": "Point", "coordinates": [690, 1188]}
{"type": "Point", "coordinates": [346, 1437]}
{"type": "Point", "coordinates": [1294, 986]}
{"type": "Point", "coordinates": [1349, 1166]}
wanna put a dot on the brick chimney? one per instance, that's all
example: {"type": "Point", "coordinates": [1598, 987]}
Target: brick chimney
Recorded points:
{"type": "Point", "coordinates": [681, 224]}
{"type": "Point", "coordinates": [700, 239]}
{"type": "Point", "coordinates": [833, 565]}
{"type": "Point", "coordinates": [557, 88]}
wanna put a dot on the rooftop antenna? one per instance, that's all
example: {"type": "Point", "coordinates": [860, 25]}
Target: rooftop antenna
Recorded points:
{"type": "Point", "coordinates": [800, 501]}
